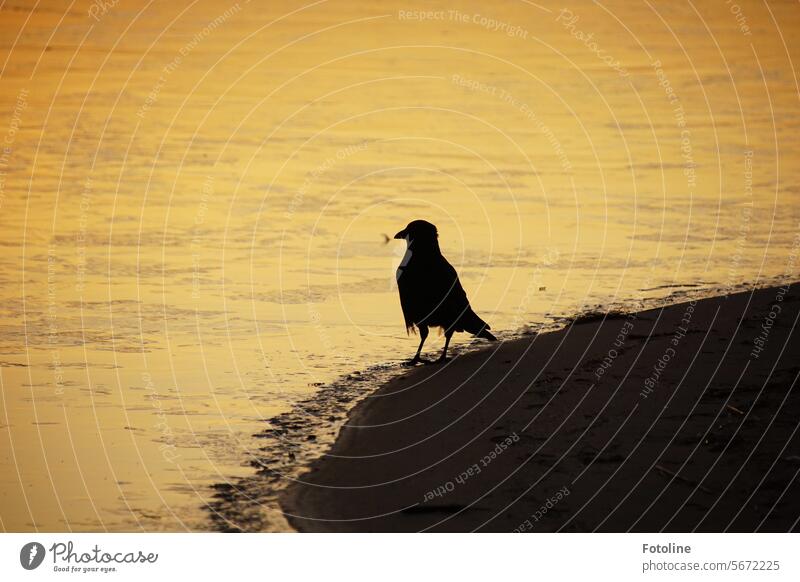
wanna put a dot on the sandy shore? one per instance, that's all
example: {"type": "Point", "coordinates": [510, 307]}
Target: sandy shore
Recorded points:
{"type": "Point", "coordinates": [677, 419]}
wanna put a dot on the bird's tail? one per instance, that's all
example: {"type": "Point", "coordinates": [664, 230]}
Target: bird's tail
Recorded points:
{"type": "Point", "coordinates": [486, 334]}
{"type": "Point", "coordinates": [476, 326]}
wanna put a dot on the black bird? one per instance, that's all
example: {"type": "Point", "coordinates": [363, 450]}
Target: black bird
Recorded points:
{"type": "Point", "coordinates": [430, 292]}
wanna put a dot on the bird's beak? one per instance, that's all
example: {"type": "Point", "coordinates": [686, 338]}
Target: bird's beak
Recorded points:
{"type": "Point", "coordinates": [401, 234]}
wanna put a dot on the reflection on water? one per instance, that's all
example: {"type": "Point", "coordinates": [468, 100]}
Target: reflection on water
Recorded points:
{"type": "Point", "coordinates": [194, 200]}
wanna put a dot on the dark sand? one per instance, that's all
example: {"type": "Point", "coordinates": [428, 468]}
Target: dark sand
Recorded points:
{"type": "Point", "coordinates": [713, 447]}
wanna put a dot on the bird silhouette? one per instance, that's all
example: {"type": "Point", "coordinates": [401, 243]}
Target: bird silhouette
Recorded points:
{"type": "Point", "coordinates": [430, 293]}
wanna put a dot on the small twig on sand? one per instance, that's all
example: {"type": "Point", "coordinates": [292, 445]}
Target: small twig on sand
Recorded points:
{"type": "Point", "coordinates": [683, 479]}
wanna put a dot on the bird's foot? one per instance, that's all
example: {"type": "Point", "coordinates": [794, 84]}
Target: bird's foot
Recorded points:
{"type": "Point", "coordinates": [442, 360]}
{"type": "Point", "coordinates": [415, 361]}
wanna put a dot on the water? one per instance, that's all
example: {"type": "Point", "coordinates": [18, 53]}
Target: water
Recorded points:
{"type": "Point", "coordinates": [195, 197]}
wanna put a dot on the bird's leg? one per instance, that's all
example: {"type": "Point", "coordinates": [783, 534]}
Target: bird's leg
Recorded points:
{"type": "Point", "coordinates": [423, 335]}
{"type": "Point", "coordinates": [447, 336]}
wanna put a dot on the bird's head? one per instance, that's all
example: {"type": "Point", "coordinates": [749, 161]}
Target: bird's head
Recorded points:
{"type": "Point", "coordinates": [420, 232]}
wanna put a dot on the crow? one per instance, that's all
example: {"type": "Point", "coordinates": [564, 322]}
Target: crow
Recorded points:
{"type": "Point", "coordinates": [430, 292]}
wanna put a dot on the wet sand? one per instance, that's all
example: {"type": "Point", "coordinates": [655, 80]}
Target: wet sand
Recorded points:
{"type": "Point", "coordinates": [681, 418]}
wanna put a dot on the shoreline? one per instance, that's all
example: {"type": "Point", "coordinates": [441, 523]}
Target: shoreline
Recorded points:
{"type": "Point", "coordinates": [646, 421]}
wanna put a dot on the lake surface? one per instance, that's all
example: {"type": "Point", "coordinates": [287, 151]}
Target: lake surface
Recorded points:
{"type": "Point", "coordinates": [195, 199]}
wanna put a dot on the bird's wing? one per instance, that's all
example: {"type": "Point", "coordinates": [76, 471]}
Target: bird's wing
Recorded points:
{"type": "Point", "coordinates": [455, 306]}
{"type": "Point", "coordinates": [449, 287]}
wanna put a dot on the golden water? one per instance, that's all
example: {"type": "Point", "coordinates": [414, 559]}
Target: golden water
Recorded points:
{"type": "Point", "coordinates": [194, 199]}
